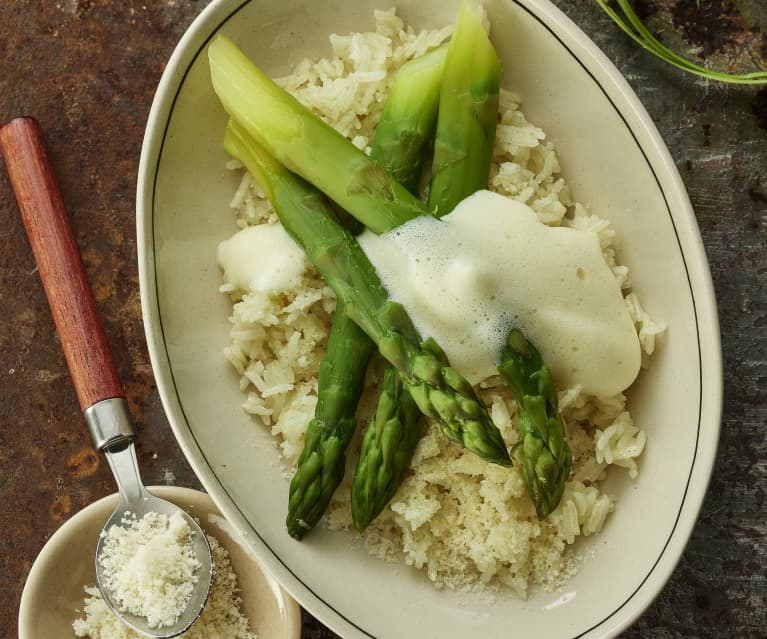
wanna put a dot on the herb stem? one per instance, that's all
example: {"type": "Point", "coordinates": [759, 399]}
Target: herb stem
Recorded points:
{"type": "Point", "coordinates": [637, 31]}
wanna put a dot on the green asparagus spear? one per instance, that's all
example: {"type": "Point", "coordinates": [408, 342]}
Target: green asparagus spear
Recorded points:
{"type": "Point", "coordinates": [306, 145]}
{"type": "Point", "coordinates": [463, 124]}
{"type": "Point", "coordinates": [468, 115]}
{"type": "Point", "coordinates": [463, 149]}
{"type": "Point", "coordinates": [406, 127]}
{"type": "Point", "coordinates": [403, 134]}
{"type": "Point", "coordinates": [545, 454]}
{"type": "Point", "coordinates": [322, 462]}
{"type": "Point", "coordinates": [383, 460]}
{"type": "Point", "coordinates": [388, 444]}
{"type": "Point", "coordinates": [439, 390]}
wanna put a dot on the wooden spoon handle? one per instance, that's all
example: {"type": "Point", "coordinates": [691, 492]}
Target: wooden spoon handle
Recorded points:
{"type": "Point", "coordinates": [58, 261]}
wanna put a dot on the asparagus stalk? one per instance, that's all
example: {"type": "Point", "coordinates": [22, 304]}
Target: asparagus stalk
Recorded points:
{"type": "Point", "coordinates": [439, 391]}
{"type": "Point", "coordinates": [321, 465]}
{"type": "Point", "coordinates": [306, 145]}
{"type": "Point", "coordinates": [405, 129]}
{"type": "Point", "coordinates": [545, 454]}
{"type": "Point", "coordinates": [468, 115]}
{"type": "Point", "coordinates": [403, 134]}
{"type": "Point", "coordinates": [388, 444]}
{"type": "Point", "coordinates": [408, 119]}
{"type": "Point", "coordinates": [463, 149]}
{"type": "Point", "coordinates": [464, 128]}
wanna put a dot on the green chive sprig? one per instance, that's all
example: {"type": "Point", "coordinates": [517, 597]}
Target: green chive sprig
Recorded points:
{"type": "Point", "coordinates": [637, 31]}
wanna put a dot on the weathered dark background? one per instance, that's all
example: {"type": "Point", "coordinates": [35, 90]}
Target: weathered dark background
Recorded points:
{"type": "Point", "coordinates": [87, 69]}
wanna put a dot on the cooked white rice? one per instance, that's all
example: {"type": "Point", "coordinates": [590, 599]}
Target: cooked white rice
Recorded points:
{"type": "Point", "coordinates": [465, 522]}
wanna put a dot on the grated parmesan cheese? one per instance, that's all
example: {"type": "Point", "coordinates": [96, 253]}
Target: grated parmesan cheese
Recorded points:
{"type": "Point", "coordinates": [149, 566]}
{"type": "Point", "coordinates": [221, 616]}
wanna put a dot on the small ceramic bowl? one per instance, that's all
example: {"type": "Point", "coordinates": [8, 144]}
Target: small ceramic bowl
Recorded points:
{"type": "Point", "coordinates": [53, 594]}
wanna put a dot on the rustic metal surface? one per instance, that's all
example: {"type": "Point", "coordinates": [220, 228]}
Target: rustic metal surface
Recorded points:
{"type": "Point", "coordinates": [87, 69]}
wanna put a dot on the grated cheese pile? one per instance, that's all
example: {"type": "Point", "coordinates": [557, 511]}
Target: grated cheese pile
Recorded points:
{"type": "Point", "coordinates": [149, 566]}
{"type": "Point", "coordinates": [221, 617]}
{"type": "Point", "coordinates": [468, 524]}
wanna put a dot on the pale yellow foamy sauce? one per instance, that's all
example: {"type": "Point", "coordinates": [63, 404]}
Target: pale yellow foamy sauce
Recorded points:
{"type": "Point", "coordinates": [490, 265]}
{"type": "Point", "coordinates": [470, 277]}
{"type": "Point", "coordinates": [262, 258]}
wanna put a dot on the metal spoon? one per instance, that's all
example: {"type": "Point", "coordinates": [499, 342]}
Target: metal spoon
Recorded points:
{"type": "Point", "coordinates": [111, 428]}
{"type": "Point", "coordinates": [88, 355]}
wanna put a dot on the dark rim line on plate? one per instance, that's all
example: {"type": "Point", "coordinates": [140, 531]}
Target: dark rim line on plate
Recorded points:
{"type": "Point", "coordinates": [522, 5]}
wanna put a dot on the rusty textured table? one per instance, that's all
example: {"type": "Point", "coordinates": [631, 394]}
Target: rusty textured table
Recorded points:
{"type": "Point", "coordinates": [87, 69]}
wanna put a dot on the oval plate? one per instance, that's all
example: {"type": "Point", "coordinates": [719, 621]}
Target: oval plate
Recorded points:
{"type": "Point", "coordinates": [613, 159]}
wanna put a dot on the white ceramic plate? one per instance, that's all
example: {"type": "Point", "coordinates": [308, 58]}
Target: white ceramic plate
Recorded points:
{"type": "Point", "coordinates": [613, 159]}
{"type": "Point", "coordinates": [53, 593]}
